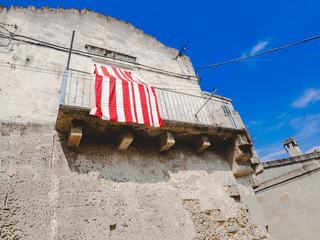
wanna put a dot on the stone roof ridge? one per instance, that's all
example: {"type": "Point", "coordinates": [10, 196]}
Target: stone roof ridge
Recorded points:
{"type": "Point", "coordinates": [83, 11]}
{"type": "Point", "coordinates": [292, 160]}
{"type": "Point", "coordinates": [289, 140]}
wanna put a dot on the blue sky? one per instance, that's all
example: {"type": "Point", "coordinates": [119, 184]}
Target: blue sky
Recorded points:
{"type": "Point", "coordinates": [278, 94]}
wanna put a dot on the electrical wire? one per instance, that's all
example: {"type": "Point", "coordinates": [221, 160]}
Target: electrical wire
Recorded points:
{"type": "Point", "coordinates": [32, 69]}
{"type": "Point", "coordinates": [61, 73]}
{"type": "Point", "coordinates": [9, 42]}
{"type": "Point", "coordinates": [275, 59]}
{"type": "Point", "coordinates": [87, 54]}
{"type": "Point", "coordinates": [88, 79]}
{"type": "Point", "coordinates": [5, 29]}
{"type": "Point", "coordinates": [258, 54]}
{"type": "Point", "coordinates": [11, 34]}
{"type": "Point", "coordinates": [61, 48]}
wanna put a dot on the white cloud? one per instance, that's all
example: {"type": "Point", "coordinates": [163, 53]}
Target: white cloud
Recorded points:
{"type": "Point", "coordinates": [254, 123]}
{"type": "Point", "coordinates": [307, 125]}
{"type": "Point", "coordinates": [313, 148]}
{"type": "Point", "coordinates": [277, 127]}
{"type": "Point", "coordinates": [258, 47]}
{"type": "Point", "coordinates": [274, 156]}
{"type": "Point", "coordinates": [282, 115]}
{"type": "Point", "coordinates": [309, 95]}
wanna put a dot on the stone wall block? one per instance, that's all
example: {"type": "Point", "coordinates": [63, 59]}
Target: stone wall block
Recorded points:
{"type": "Point", "coordinates": [240, 170]}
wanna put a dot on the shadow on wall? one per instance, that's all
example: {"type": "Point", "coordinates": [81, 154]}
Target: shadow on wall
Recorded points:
{"type": "Point", "coordinates": [141, 163]}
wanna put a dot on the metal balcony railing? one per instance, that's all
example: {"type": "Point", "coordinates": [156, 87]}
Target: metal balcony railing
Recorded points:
{"type": "Point", "coordinates": [78, 90]}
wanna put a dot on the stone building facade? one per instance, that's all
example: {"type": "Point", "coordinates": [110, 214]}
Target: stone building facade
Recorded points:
{"type": "Point", "coordinates": [289, 194]}
{"type": "Point", "coordinates": [201, 187]}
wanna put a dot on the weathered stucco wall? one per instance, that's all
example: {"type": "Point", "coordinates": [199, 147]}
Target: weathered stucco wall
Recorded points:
{"type": "Point", "coordinates": [289, 196]}
{"type": "Point", "coordinates": [44, 70]}
{"type": "Point", "coordinates": [49, 191]}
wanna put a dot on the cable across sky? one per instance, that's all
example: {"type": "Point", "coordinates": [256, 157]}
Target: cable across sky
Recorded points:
{"type": "Point", "coordinates": [258, 54]}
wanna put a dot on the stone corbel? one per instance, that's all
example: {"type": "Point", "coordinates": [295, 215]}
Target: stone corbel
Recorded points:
{"type": "Point", "coordinates": [166, 141]}
{"type": "Point", "coordinates": [240, 155]}
{"type": "Point", "coordinates": [74, 136]}
{"type": "Point", "coordinates": [243, 149]}
{"type": "Point", "coordinates": [202, 143]}
{"type": "Point", "coordinates": [125, 139]}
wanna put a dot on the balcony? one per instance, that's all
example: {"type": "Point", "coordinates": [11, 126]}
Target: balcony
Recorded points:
{"type": "Point", "coordinates": [185, 115]}
{"type": "Point", "coordinates": [77, 91]}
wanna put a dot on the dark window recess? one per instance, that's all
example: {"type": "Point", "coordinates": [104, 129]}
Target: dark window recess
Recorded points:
{"type": "Point", "coordinates": [111, 54]}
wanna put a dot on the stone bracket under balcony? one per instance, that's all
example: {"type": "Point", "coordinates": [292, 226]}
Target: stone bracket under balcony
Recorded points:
{"type": "Point", "coordinates": [201, 137]}
{"type": "Point", "coordinates": [205, 122]}
{"type": "Point", "coordinates": [93, 125]}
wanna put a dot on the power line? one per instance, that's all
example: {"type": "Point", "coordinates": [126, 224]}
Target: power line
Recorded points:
{"type": "Point", "coordinates": [5, 29]}
{"type": "Point", "coordinates": [276, 59]}
{"type": "Point", "coordinates": [254, 55]}
{"type": "Point", "coordinates": [87, 54]}
{"type": "Point", "coordinates": [57, 73]}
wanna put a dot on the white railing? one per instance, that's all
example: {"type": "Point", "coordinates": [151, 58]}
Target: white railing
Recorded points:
{"type": "Point", "coordinates": [77, 90]}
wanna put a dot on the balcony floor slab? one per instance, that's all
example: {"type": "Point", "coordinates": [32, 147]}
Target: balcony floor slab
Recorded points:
{"type": "Point", "coordinates": [93, 125]}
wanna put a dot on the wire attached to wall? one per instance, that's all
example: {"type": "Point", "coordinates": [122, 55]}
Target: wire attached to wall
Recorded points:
{"type": "Point", "coordinates": [11, 34]}
{"type": "Point", "coordinates": [60, 73]}
{"type": "Point", "coordinates": [87, 54]}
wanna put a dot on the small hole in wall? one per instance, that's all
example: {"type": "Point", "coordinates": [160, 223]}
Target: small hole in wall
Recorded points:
{"type": "Point", "coordinates": [208, 213]}
{"type": "Point", "coordinates": [112, 228]}
{"type": "Point", "coordinates": [236, 198]}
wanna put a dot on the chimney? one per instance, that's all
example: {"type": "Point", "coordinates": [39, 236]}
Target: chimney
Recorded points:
{"type": "Point", "coordinates": [292, 147]}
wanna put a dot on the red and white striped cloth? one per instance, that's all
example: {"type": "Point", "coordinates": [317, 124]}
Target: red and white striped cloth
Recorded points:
{"type": "Point", "coordinates": [122, 96]}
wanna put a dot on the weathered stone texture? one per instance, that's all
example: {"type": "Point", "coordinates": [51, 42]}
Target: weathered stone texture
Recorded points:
{"type": "Point", "coordinates": [49, 191]}
{"type": "Point", "coordinates": [25, 183]}
{"type": "Point", "coordinates": [97, 190]}
{"type": "Point", "coordinates": [212, 224]}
